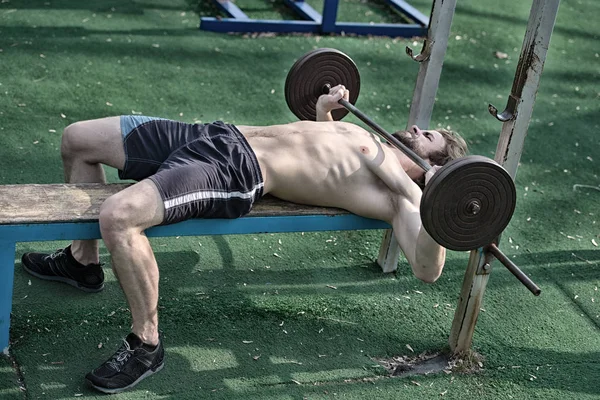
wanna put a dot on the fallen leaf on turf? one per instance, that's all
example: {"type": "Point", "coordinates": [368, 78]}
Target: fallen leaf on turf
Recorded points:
{"type": "Point", "coordinates": [500, 55]}
{"type": "Point", "coordinates": [247, 341]}
{"type": "Point", "coordinates": [410, 348]}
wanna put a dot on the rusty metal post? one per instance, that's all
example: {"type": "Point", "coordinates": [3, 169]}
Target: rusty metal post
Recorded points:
{"type": "Point", "coordinates": [516, 120]}
{"type": "Point", "coordinates": [431, 59]}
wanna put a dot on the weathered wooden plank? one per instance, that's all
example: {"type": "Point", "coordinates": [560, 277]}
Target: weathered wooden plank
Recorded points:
{"type": "Point", "coordinates": [81, 202]}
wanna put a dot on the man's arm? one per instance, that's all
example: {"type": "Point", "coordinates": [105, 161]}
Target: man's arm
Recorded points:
{"type": "Point", "coordinates": [328, 102]}
{"type": "Point", "coordinates": [425, 256]}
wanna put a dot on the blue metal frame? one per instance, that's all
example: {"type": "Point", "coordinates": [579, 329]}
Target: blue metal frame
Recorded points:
{"type": "Point", "coordinates": [10, 235]}
{"type": "Point", "coordinates": [238, 21]}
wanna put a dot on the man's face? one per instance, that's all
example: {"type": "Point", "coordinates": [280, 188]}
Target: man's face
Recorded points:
{"type": "Point", "coordinates": [421, 142]}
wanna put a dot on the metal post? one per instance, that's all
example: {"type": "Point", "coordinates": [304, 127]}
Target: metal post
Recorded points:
{"type": "Point", "coordinates": [516, 119]}
{"type": "Point", "coordinates": [330, 9]}
{"type": "Point", "coordinates": [7, 272]}
{"type": "Point", "coordinates": [432, 58]}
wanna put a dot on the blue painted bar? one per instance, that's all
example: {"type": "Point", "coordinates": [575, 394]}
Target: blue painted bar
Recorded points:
{"type": "Point", "coordinates": [330, 8]}
{"type": "Point", "coordinates": [196, 227]}
{"type": "Point", "coordinates": [225, 25]}
{"type": "Point", "coordinates": [304, 10]}
{"type": "Point", "coordinates": [7, 272]}
{"type": "Point", "coordinates": [230, 9]}
{"type": "Point", "coordinates": [393, 30]}
{"type": "Point", "coordinates": [412, 13]}
{"type": "Point", "coordinates": [316, 23]}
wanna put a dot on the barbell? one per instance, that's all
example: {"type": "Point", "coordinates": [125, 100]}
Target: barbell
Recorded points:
{"type": "Point", "coordinates": [467, 203]}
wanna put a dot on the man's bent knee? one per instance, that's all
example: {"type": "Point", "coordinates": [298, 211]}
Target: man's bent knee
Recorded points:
{"type": "Point", "coordinates": [130, 211]}
{"type": "Point", "coordinates": [116, 220]}
{"type": "Point", "coordinates": [73, 140]}
{"type": "Point", "coordinates": [94, 141]}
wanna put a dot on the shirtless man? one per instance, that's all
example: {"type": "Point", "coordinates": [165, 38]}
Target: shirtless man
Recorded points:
{"type": "Point", "coordinates": [218, 171]}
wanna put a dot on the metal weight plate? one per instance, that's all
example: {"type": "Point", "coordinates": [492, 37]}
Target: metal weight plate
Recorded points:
{"type": "Point", "coordinates": [309, 76]}
{"type": "Point", "coordinates": [468, 203]}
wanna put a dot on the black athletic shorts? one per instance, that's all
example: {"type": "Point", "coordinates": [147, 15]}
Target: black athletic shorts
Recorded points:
{"type": "Point", "coordinates": [201, 170]}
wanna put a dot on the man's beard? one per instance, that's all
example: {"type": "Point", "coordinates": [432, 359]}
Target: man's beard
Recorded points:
{"type": "Point", "coordinates": [411, 143]}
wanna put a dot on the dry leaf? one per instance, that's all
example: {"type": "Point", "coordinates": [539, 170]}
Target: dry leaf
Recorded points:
{"type": "Point", "coordinates": [100, 345]}
{"type": "Point", "coordinates": [500, 55]}
{"type": "Point", "coordinates": [331, 287]}
{"type": "Point", "coordinates": [247, 341]}
{"type": "Point", "coordinates": [594, 243]}
{"type": "Point", "coordinates": [410, 348]}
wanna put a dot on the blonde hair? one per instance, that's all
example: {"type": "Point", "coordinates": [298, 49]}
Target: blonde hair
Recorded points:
{"type": "Point", "coordinates": [456, 147]}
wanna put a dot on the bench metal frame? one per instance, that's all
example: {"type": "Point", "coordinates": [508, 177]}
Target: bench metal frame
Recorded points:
{"type": "Point", "coordinates": [11, 234]}
{"type": "Point", "coordinates": [238, 21]}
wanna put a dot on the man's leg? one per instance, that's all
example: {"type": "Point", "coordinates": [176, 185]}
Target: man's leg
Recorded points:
{"type": "Point", "coordinates": [123, 219]}
{"type": "Point", "coordinates": [86, 145]}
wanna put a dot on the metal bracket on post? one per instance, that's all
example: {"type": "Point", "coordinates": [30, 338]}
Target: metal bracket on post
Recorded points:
{"type": "Point", "coordinates": [509, 113]}
{"type": "Point", "coordinates": [425, 52]}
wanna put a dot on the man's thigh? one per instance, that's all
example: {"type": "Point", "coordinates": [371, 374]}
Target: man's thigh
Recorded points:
{"type": "Point", "coordinates": [96, 141]}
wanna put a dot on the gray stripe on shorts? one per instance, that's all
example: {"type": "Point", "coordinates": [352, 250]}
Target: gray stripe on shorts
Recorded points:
{"type": "Point", "coordinates": [211, 194]}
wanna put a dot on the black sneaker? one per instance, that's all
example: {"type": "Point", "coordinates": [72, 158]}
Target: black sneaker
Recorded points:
{"type": "Point", "coordinates": [128, 366]}
{"type": "Point", "coordinates": [62, 266]}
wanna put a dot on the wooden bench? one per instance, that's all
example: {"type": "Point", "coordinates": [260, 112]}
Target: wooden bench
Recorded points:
{"type": "Point", "coordinates": [30, 213]}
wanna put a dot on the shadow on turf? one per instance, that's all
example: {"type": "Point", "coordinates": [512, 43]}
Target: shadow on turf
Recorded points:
{"type": "Point", "coordinates": [202, 326]}
{"type": "Point", "coordinates": [109, 6]}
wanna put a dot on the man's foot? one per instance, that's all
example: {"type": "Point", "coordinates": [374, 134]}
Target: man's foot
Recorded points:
{"type": "Point", "coordinates": [62, 266]}
{"type": "Point", "coordinates": [133, 362]}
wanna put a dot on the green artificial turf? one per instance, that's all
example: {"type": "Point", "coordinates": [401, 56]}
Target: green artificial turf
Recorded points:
{"type": "Point", "coordinates": [291, 316]}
